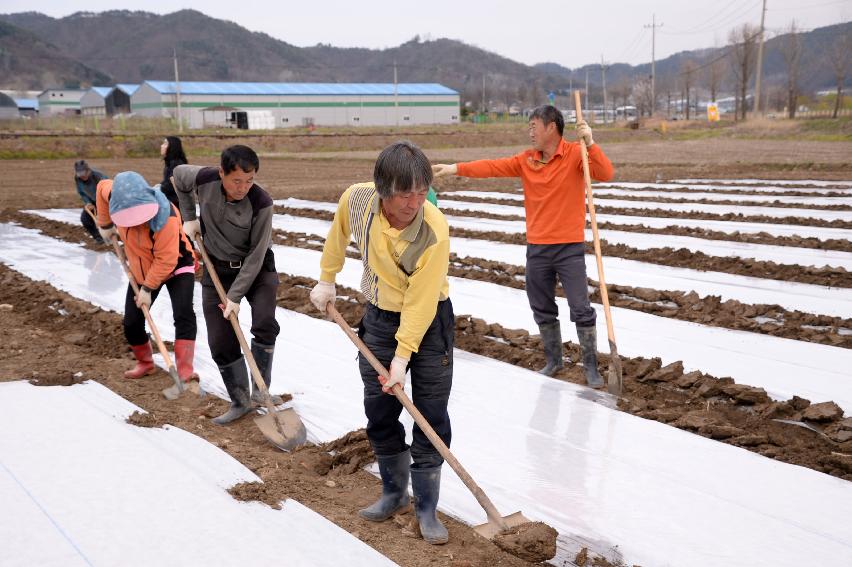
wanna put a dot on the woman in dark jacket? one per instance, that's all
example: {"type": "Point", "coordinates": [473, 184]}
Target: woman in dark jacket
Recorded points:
{"type": "Point", "coordinates": [173, 156]}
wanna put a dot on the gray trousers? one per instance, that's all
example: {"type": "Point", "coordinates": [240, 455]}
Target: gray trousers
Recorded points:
{"type": "Point", "coordinates": [544, 263]}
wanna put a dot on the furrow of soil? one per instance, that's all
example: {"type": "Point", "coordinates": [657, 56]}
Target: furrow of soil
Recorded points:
{"type": "Point", "coordinates": [445, 202]}
{"type": "Point", "coordinates": [702, 201]}
{"type": "Point", "coordinates": [677, 258]}
{"type": "Point", "coordinates": [41, 339]}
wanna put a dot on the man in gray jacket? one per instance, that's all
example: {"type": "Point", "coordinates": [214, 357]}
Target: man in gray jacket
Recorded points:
{"type": "Point", "coordinates": [236, 223]}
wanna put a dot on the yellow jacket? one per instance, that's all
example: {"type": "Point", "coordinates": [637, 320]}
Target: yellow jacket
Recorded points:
{"type": "Point", "coordinates": [404, 270]}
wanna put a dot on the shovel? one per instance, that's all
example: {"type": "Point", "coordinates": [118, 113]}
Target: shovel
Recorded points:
{"type": "Point", "coordinates": [174, 391]}
{"type": "Point", "coordinates": [282, 428]}
{"type": "Point", "coordinates": [496, 523]}
{"type": "Point", "coordinates": [614, 376]}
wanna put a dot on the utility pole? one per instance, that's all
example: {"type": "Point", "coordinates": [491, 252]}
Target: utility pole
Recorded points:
{"type": "Point", "coordinates": [586, 103]}
{"type": "Point", "coordinates": [759, 62]}
{"type": "Point", "coordinates": [484, 108]}
{"type": "Point", "coordinates": [654, 25]}
{"type": "Point", "coordinates": [395, 94]}
{"type": "Point", "coordinates": [177, 93]}
{"type": "Point", "coordinates": [603, 82]}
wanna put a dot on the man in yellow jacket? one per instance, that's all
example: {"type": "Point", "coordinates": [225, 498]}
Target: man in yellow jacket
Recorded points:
{"type": "Point", "coordinates": [408, 324]}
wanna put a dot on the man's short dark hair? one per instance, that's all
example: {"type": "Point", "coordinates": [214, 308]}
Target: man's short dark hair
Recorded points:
{"type": "Point", "coordinates": [401, 168]}
{"type": "Point", "coordinates": [549, 114]}
{"type": "Point", "coordinates": [239, 156]}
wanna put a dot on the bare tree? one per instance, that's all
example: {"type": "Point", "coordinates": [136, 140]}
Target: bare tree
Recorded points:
{"type": "Point", "coordinates": [687, 76]}
{"type": "Point", "coordinates": [642, 96]}
{"type": "Point", "coordinates": [622, 92]}
{"type": "Point", "coordinates": [791, 51]}
{"type": "Point", "coordinates": [838, 57]}
{"type": "Point", "coordinates": [713, 75]}
{"type": "Point", "coordinates": [743, 53]}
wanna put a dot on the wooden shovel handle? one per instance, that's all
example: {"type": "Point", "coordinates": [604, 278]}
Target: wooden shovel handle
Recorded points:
{"type": "Point", "coordinates": [584, 152]}
{"type": "Point", "coordinates": [490, 510]}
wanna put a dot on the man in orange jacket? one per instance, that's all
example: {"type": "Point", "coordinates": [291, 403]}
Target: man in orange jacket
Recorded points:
{"type": "Point", "coordinates": [554, 199]}
{"type": "Point", "coordinates": [159, 254]}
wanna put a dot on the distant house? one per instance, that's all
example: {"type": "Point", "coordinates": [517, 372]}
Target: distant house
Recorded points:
{"type": "Point", "coordinates": [119, 99]}
{"type": "Point", "coordinates": [107, 101]}
{"type": "Point", "coordinates": [8, 108]}
{"type": "Point", "coordinates": [298, 104]}
{"type": "Point", "coordinates": [27, 106]}
{"type": "Point", "coordinates": [93, 102]}
{"type": "Point", "coordinates": [60, 101]}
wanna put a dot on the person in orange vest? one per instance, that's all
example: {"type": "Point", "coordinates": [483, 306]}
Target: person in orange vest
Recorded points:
{"type": "Point", "coordinates": [554, 199]}
{"type": "Point", "coordinates": [159, 255]}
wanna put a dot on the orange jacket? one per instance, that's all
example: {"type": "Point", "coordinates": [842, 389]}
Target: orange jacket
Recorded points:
{"type": "Point", "coordinates": [153, 256]}
{"type": "Point", "coordinates": [554, 192]}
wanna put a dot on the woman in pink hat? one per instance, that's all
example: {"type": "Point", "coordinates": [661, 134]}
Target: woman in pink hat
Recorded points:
{"type": "Point", "coordinates": [159, 254]}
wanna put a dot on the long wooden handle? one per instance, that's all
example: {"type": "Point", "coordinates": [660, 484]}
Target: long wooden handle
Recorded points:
{"type": "Point", "coordinates": [235, 323]}
{"type": "Point", "coordinates": [596, 238]}
{"type": "Point", "coordinates": [155, 332]}
{"type": "Point", "coordinates": [437, 442]}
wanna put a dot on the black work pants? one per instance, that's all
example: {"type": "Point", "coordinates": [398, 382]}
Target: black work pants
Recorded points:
{"type": "Point", "coordinates": [261, 296]}
{"type": "Point", "coordinates": [431, 381]}
{"type": "Point", "coordinates": [181, 288]}
{"type": "Point", "coordinates": [544, 263]}
{"type": "Point", "coordinates": [89, 224]}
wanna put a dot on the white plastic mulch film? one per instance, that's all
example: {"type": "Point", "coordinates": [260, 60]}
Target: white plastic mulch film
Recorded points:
{"type": "Point", "coordinates": [627, 487]}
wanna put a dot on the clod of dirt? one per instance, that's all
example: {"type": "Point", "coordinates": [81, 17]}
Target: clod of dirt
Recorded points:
{"type": "Point", "coordinates": [823, 412]}
{"type": "Point", "coordinates": [255, 491]}
{"type": "Point", "coordinates": [351, 453]}
{"type": "Point", "coordinates": [64, 379]}
{"type": "Point", "coordinates": [144, 419]}
{"type": "Point", "coordinates": [6, 307]}
{"type": "Point", "coordinates": [534, 542]}
{"type": "Point", "coordinates": [582, 557]}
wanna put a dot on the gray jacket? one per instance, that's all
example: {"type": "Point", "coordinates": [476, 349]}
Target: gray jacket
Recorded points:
{"type": "Point", "coordinates": [233, 231]}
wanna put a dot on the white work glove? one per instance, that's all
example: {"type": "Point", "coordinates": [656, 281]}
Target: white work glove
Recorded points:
{"type": "Point", "coordinates": [107, 233]}
{"type": "Point", "coordinates": [192, 228]}
{"type": "Point", "coordinates": [443, 170]}
{"type": "Point", "coordinates": [584, 132]}
{"type": "Point", "coordinates": [398, 368]}
{"type": "Point", "coordinates": [323, 294]}
{"type": "Point", "coordinates": [143, 298]}
{"type": "Point", "coordinates": [230, 307]}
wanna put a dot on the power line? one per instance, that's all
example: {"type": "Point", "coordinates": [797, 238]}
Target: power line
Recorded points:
{"type": "Point", "coordinates": [709, 22]}
{"type": "Point", "coordinates": [726, 21]}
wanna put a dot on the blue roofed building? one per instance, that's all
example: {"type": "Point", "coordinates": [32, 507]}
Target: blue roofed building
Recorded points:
{"type": "Point", "coordinates": [282, 105]}
{"type": "Point", "coordinates": [93, 102]}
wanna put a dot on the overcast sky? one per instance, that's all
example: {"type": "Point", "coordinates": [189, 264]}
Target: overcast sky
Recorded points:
{"type": "Point", "coordinates": [570, 33]}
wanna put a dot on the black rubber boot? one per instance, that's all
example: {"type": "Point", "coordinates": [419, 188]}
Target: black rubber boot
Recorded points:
{"type": "Point", "coordinates": [263, 358]}
{"type": "Point", "coordinates": [426, 485]}
{"type": "Point", "coordinates": [235, 376]}
{"type": "Point", "coordinates": [394, 471]}
{"type": "Point", "coordinates": [551, 338]}
{"type": "Point", "coordinates": [589, 351]}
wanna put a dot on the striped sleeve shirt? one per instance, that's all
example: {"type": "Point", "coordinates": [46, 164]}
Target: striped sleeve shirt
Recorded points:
{"type": "Point", "coordinates": [404, 270]}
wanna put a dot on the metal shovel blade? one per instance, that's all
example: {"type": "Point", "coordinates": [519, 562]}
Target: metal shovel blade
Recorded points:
{"type": "Point", "coordinates": [292, 426]}
{"type": "Point", "coordinates": [174, 391]}
{"type": "Point", "coordinates": [614, 376]}
{"type": "Point", "coordinates": [490, 529]}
